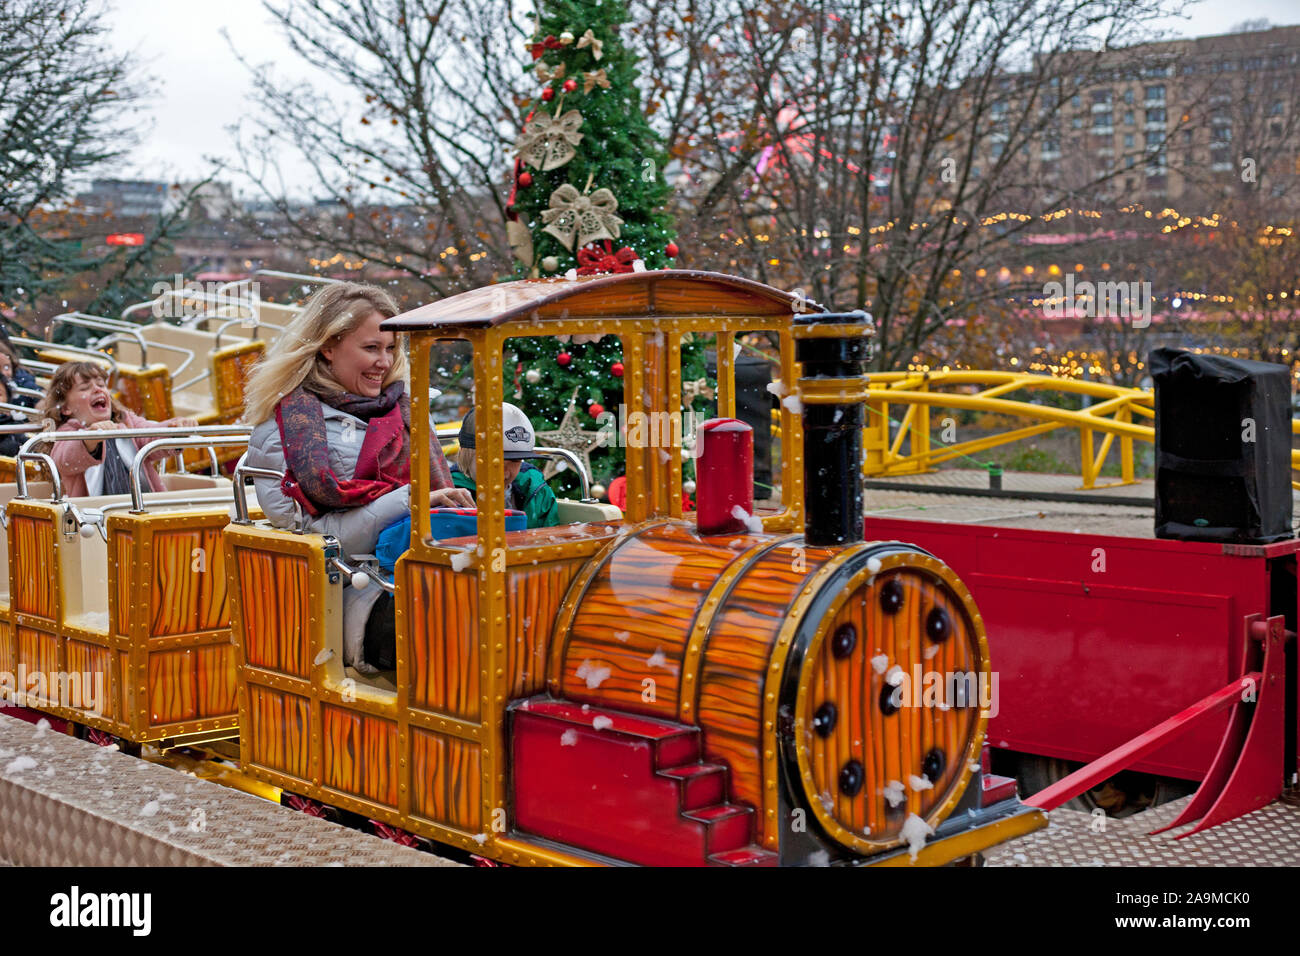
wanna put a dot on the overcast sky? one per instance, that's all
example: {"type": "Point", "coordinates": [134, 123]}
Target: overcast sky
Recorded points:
{"type": "Point", "coordinates": [202, 88]}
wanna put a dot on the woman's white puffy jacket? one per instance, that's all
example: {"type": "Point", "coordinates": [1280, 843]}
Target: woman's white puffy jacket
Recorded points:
{"type": "Point", "coordinates": [357, 529]}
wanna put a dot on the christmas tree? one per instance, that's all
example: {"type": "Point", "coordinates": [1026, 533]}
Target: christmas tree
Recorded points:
{"type": "Point", "coordinates": [588, 198]}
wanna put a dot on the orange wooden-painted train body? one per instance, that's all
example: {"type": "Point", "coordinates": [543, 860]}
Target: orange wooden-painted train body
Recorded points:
{"type": "Point", "coordinates": [622, 688]}
{"type": "Point", "coordinates": [121, 625]}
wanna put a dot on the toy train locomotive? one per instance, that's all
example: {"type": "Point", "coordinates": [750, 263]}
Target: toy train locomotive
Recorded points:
{"type": "Point", "coordinates": [621, 688]}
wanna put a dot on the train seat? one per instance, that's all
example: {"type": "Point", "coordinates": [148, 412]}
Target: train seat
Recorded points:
{"type": "Point", "coordinates": [196, 345]}
{"type": "Point", "coordinates": [84, 558]}
{"type": "Point", "coordinates": [577, 512]}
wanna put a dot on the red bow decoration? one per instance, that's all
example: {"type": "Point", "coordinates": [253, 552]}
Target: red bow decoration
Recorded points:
{"type": "Point", "coordinates": [511, 212]}
{"type": "Point", "coordinates": [550, 43]}
{"type": "Point", "coordinates": [593, 261]}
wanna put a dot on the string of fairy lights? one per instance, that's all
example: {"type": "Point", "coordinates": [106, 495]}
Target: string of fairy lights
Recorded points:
{"type": "Point", "coordinates": [1083, 364]}
{"type": "Point", "coordinates": [1069, 363]}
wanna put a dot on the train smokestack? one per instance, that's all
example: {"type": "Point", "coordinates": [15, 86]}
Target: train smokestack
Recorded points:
{"type": "Point", "coordinates": [832, 350]}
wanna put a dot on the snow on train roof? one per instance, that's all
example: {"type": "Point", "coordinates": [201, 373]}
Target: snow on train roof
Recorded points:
{"type": "Point", "coordinates": [659, 293]}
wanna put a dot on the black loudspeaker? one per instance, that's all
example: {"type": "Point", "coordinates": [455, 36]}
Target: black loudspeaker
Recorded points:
{"type": "Point", "coordinates": [1223, 448]}
{"type": "Point", "coordinates": [754, 405]}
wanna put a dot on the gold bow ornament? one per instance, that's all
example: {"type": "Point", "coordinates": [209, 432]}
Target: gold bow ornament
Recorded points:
{"type": "Point", "coordinates": [597, 78]}
{"type": "Point", "coordinates": [548, 73]}
{"type": "Point", "coordinates": [587, 218]}
{"type": "Point", "coordinates": [521, 241]}
{"type": "Point", "coordinates": [589, 39]}
{"type": "Point", "coordinates": [698, 388]}
{"type": "Point", "coordinates": [547, 141]}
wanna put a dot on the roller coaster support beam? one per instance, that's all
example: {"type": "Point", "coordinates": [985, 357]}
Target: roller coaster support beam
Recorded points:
{"type": "Point", "coordinates": [1249, 769]}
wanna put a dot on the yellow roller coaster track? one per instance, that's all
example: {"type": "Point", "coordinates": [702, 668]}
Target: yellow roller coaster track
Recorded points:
{"type": "Point", "coordinates": [905, 447]}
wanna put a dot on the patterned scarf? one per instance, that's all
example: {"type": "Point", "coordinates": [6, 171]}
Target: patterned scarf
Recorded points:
{"type": "Point", "coordinates": [384, 461]}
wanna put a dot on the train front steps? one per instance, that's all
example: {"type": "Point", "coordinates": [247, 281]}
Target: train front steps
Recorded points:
{"type": "Point", "coordinates": [625, 786]}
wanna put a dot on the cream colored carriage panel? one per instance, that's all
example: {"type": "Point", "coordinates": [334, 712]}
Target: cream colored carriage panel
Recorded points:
{"type": "Point", "coordinates": [84, 559]}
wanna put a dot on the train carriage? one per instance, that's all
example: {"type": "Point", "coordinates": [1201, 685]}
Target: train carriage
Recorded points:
{"type": "Point", "coordinates": [115, 616]}
{"type": "Point", "coordinates": [631, 687]}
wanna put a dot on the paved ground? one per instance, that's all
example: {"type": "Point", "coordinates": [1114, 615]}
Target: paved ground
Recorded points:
{"type": "Point", "coordinates": [978, 478]}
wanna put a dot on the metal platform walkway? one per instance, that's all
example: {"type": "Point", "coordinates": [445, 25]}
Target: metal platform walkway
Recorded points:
{"type": "Point", "coordinates": [66, 802]}
{"type": "Point", "coordinates": [1267, 837]}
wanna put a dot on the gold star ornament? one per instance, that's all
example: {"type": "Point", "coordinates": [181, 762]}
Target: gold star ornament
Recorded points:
{"type": "Point", "coordinates": [571, 436]}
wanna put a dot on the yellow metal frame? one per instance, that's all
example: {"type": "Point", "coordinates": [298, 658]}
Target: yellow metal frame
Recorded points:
{"type": "Point", "coordinates": [1117, 414]}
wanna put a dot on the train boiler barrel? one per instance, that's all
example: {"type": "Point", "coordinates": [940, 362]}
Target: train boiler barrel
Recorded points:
{"type": "Point", "coordinates": [802, 659]}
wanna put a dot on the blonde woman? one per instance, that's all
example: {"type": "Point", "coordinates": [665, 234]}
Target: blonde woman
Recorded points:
{"type": "Point", "coordinates": [330, 410]}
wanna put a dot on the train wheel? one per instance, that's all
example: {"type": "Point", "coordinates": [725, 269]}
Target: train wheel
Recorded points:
{"type": "Point", "coordinates": [394, 834]}
{"type": "Point", "coordinates": [313, 808]}
{"type": "Point", "coordinates": [102, 738]}
{"type": "Point", "coordinates": [1123, 795]}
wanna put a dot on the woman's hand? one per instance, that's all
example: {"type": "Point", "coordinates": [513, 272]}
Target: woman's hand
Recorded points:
{"type": "Point", "coordinates": [450, 498]}
{"type": "Point", "coordinates": [180, 423]}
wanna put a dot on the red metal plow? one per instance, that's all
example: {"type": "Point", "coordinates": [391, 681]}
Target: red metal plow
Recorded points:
{"type": "Point", "coordinates": [1249, 768]}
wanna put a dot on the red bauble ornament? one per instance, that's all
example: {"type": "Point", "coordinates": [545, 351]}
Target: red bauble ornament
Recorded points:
{"type": "Point", "coordinates": [525, 179]}
{"type": "Point", "coordinates": [671, 250]}
{"type": "Point", "coordinates": [563, 359]}
{"type": "Point", "coordinates": [617, 369]}
{"type": "Point", "coordinates": [548, 94]}
{"type": "Point", "coordinates": [570, 85]}
{"type": "Point", "coordinates": [595, 409]}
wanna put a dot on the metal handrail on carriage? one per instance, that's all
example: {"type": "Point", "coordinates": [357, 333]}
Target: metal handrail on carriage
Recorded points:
{"type": "Point", "coordinates": [199, 441]}
{"type": "Point", "coordinates": [573, 461]}
{"type": "Point", "coordinates": [256, 325]}
{"type": "Point", "coordinates": [89, 321]}
{"type": "Point", "coordinates": [28, 453]}
{"type": "Point", "coordinates": [570, 458]}
{"type": "Point", "coordinates": [117, 330]}
{"type": "Point", "coordinates": [277, 274]}
{"type": "Point", "coordinates": [241, 474]}
{"type": "Point", "coordinates": [14, 428]}
{"type": "Point", "coordinates": [101, 324]}
{"type": "Point", "coordinates": [196, 294]}
{"type": "Point", "coordinates": [92, 354]}
{"type": "Point", "coordinates": [140, 339]}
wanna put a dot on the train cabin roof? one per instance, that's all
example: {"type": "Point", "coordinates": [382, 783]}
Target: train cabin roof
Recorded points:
{"type": "Point", "coordinates": [662, 293]}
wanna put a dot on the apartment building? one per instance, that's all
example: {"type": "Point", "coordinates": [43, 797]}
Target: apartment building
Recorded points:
{"type": "Point", "coordinates": [1178, 121]}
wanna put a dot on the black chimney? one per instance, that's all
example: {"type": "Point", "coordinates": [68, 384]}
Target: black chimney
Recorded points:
{"type": "Point", "coordinates": [833, 349]}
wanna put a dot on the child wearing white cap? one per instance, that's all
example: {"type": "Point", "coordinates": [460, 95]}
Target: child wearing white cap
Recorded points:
{"type": "Point", "coordinates": [526, 489]}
